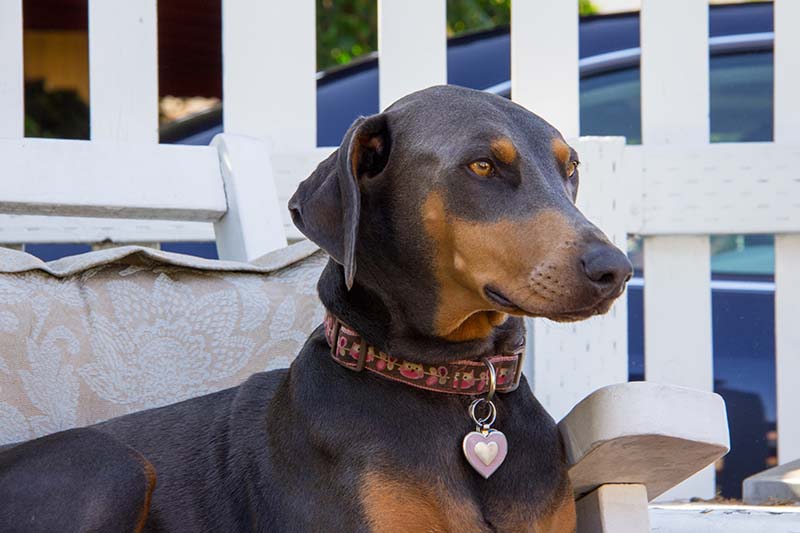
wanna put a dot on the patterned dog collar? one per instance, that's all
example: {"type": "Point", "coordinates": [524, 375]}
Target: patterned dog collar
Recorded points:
{"type": "Point", "coordinates": [457, 377]}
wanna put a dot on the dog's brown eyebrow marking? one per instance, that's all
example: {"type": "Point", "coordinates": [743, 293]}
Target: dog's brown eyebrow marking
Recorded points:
{"type": "Point", "coordinates": [504, 150]}
{"type": "Point", "coordinates": [564, 154]}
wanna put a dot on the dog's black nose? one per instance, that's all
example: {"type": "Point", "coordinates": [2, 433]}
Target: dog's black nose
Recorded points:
{"type": "Point", "coordinates": [607, 268]}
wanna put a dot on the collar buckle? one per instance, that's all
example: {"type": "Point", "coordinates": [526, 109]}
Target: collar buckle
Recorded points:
{"type": "Point", "coordinates": [363, 349]}
{"type": "Point", "coordinates": [518, 370]}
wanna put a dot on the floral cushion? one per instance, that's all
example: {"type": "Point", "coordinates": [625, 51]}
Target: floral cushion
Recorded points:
{"type": "Point", "coordinates": [91, 337]}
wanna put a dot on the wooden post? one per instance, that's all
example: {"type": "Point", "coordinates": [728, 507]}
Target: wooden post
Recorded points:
{"type": "Point", "coordinates": [787, 247]}
{"type": "Point", "coordinates": [252, 225]}
{"type": "Point", "coordinates": [677, 290]}
{"type": "Point", "coordinates": [614, 509]}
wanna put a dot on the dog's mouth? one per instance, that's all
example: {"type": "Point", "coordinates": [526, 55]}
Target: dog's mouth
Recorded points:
{"type": "Point", "coordinates": [600, 308]}
{"type": "Point", "coordinates": [573, 315]}
{"type": "Point", "coordinates": [501, 299]}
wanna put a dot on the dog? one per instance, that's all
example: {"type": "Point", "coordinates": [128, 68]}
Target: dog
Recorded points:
{"type": "Point", "coordinates": [447, 218]}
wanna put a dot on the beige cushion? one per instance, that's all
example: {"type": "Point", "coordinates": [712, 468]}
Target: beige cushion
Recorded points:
{"type": "Point", "coordinates": [94, 336]}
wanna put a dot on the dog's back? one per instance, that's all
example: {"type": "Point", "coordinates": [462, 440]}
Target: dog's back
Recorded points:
{"type": "Point", "coordinates": [205, 452]}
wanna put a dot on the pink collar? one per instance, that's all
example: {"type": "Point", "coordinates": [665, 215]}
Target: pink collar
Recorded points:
{"type": "Point", "coordinates": [457, 377]}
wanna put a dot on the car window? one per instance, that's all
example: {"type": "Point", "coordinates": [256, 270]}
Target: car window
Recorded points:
{"type": "Point", "coordinates": [741, 97]}
{"type": "Point", "coordinates": [740, 111]}
{"type": "Point", "coordinates": [610, 105]}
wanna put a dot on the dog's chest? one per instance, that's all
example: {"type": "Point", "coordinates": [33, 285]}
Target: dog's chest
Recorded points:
{"type": "Point", "coordinates": [402, 503]}
{"type": "Point", "coordinates": [433, 489]}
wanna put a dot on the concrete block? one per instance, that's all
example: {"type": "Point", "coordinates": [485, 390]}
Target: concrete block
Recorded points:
{"type": "Point", "coordinates": [781, 483]}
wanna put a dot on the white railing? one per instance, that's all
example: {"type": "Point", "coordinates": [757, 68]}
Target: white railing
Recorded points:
{"type": "Point", "coordinates": [675, 189]}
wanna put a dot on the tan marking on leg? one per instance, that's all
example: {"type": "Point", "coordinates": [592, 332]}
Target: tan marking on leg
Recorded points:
{"type": "Point", "coordinates": [504, 150]}
{"type": "Point", "coordinates": [150, 486]}
{"type": "Point", "coordinates": [532, 261]}
{"type": "Point", "coordinates": [526, 517]}
{"type": "Point", "coordinates": [395, 505]}
{"type": "Point", "coordinates": [563, 520]}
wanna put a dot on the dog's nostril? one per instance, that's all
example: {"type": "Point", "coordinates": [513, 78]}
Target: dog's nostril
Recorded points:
{"type": "Point", "coordinates": [606, 279]}
{"type": "Point", "coordinates": [607, 267]}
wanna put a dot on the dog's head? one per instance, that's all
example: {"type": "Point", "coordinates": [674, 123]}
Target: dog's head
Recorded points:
{"type": "Point", "coordinates": [469, 198]}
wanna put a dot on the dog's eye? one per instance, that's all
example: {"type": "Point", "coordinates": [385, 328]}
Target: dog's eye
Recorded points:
{"type": "Point", "coordinates": [482, 168]}
{"type": "Point", "coordinates": [571, 168]}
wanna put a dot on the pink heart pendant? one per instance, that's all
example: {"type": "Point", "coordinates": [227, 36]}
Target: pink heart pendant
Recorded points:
{"type": "Point", "coordinates": [485, 453]}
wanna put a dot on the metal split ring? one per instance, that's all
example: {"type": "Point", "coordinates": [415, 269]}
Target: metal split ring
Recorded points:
{"type": "Point", "coordinates": [486, 421]}
{"type": "Point", "coordinates": [492, 379]}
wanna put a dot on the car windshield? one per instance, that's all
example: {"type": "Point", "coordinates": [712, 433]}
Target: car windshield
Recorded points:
{"type": "Point", "coordinates": [741, 111]}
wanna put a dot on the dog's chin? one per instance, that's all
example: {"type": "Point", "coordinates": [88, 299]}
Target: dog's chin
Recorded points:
{"type": "Point", "coordinates": [506, 305]}
{"type": "Point", "coordinates": [600, 308]}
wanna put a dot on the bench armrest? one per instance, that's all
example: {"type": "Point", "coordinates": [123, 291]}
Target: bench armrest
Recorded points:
{"type": "Point", "coordinates": [643, 433]}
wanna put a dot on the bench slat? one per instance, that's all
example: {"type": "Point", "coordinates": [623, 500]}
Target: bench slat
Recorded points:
{"type": "Point", "coordinates": [29, 229]}
{"type": "Point", "coordinates": [111, 180]}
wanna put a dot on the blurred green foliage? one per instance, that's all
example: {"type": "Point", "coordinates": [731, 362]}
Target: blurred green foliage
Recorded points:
{"type": "Point", "coordinates": [347, 29]}
{"type": "Point", "coordinates": [58, 113]}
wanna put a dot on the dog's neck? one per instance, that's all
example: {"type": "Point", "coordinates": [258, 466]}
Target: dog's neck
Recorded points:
{"type": "Point", "coordinates": [371, 311]}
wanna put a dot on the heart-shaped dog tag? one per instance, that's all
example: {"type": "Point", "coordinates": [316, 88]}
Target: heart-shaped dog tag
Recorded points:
{"type": "Point", "coordinates": [485, 452]}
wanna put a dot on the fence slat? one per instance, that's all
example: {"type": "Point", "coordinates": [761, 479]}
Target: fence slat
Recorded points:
{"type": "Point", "coordinates": [787, 71]}
{"type": "Point", "coordinates": [677, 291]}
{"type": "Point", "coordinates": [674, 72]}
{"type": "Point", "coordinates": [12, 122]}
{"type": "Point", "coordinates": [787, 345]}
{"type": "Point", "coordinates": [123, 70]}
{"type": "Point", "coordinates": [412, 47]}
{"type": "Point", "coordinates": [715, 188]}
{"type": "Point", "coordinates": [676, 353]}
{"type": "Point", "coordinates": [544, 61]}
{"type": "Point", "coordinates": [110, 179]}
{"type": "Point", "coordinates": [269, 68]}
{"type": "Point", "coordinates": [567, 362]}
{"type": "Point", "coordinates": [787, 247]}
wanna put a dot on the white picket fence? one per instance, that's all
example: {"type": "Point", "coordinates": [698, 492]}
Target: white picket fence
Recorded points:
{"type": "Point", "coordinates": [675, 189]}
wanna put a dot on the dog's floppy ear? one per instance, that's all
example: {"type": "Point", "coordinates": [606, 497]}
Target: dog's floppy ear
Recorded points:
{"type": "Point", "coordinates": [327, 205]}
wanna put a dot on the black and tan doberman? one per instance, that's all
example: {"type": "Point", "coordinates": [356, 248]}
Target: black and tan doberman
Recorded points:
{"type": "Point", "coordinates": [447, 218]}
